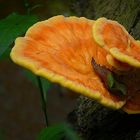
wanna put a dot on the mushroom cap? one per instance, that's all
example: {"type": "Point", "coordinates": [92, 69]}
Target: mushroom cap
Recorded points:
{"type": "Point", "coordinates": [61, 49]}
{"type": "Point", "coordinates": [122, 48]}
{"type": "Point", "coordinates": [113, 37]}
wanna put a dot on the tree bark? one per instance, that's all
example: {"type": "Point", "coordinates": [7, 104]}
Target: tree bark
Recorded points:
{"type": "Point", "coordinates": [92, 120]}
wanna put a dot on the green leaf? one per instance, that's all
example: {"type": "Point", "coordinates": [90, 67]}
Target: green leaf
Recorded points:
{"type": "Point", "coordinates": [33, 78]}
{"type": "Point", "coordinates": [113, 84]}
{"type": "Point", "coordinates": [2, 134]}
{"type": "Point", "coordinates": [58, 132]}
{"type": "Point", "coordinates": [46, 86]}
{"type": "Point", "coordinates": [30, 76]}
{"type": "Point", "coordinates": [13, 26]}
{"type": "Point", "coordinates": [121, 87]}
{"type": "Point", "coordinates": [110, 80]}
{"type": "Point", "coordinates": [6, 55]}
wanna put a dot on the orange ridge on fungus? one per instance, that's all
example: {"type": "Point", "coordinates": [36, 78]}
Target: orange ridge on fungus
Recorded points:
{"type": "Point", "coordinates": [113, 37]}
{"type": "Point", "coordinates": [60, 49]}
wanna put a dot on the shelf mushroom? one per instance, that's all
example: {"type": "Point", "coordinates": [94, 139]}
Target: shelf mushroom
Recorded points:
{"type": "Point", "coordinates": [61, 49]}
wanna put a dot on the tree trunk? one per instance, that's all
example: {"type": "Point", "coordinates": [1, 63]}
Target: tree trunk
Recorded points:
{"type": "Point", "coordinates": [91, 120]}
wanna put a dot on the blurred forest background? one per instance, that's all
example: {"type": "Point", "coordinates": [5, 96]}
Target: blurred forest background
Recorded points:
{"type": "Point", "coordinates": [21, 116]}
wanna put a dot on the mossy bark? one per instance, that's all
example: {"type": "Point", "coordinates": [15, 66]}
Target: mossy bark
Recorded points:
{"type": "Point", "coordinates": [91, 120]}
{"type": "Point", "coordinates": [94, 122]}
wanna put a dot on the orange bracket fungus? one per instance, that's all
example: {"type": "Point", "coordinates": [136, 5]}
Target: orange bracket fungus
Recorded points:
{"type": "Point", "coordinates": [75, 52]}
{"type": "Point", "coordinates": [115, 39]}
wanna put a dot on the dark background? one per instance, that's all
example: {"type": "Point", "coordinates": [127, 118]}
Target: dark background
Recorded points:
{"type": "Point", "coordinates": [21, 117]}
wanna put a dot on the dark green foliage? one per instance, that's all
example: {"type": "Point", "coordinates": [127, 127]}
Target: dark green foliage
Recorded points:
{"type": "Point", "coordinates": [32, 6]}
{"type": "Point", "coordinates": [13, 26]}
{"type": "Point", "coordinates": [115, 86]}
{"type": "Point", "coordinates": [58, 132]}
{"type": "Point", "coordinates": [110, 80]}
{"type": "Point", "coordinates": [2, 135]}
{"type": "Point", "coordinates": [6, 53]}
{"type": "Point", "coordinates": [33, 78]}
{"type": "Point", "coordinates": [121, 88]}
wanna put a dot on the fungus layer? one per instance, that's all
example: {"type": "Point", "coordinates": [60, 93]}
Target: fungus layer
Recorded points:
{"type": "Point", "coordinates": [115, 39]}
{"type": "Point", "coordinates": [61, 49]}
